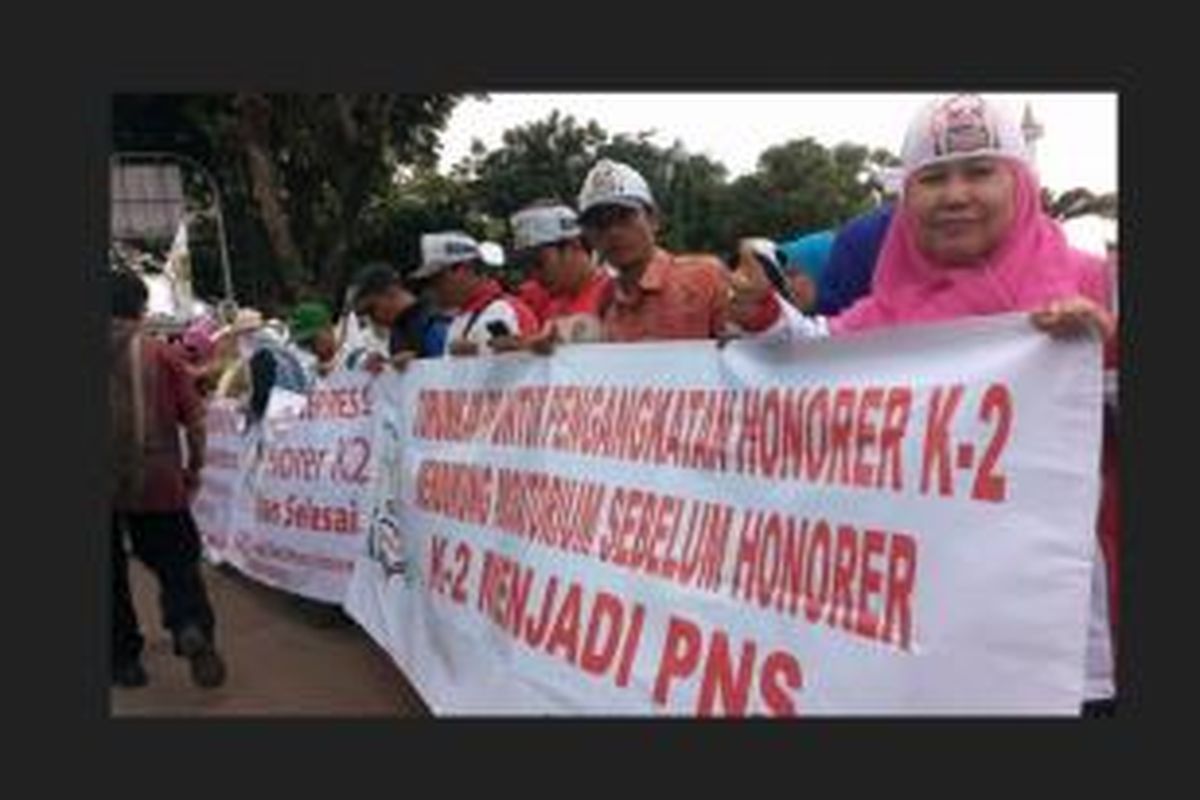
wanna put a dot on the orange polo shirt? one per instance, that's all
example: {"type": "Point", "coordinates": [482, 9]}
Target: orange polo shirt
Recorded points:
{"type": "Point", "coordinates": [678, 297]}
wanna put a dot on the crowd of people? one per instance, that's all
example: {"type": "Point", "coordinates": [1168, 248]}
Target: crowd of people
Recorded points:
{"type": "Point", "coordinates": [964, 236]}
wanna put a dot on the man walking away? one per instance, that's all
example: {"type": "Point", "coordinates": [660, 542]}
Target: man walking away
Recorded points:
{"type": "Point", "coordinates": [150, 396]}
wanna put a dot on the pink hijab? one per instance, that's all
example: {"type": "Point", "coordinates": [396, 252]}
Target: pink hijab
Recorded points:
{"type": "Point", "coordinates": [199, 338]}
{"type": "Point", "coordinates": [1032, 265]}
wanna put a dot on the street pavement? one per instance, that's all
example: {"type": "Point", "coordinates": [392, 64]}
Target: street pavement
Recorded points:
{"type": "Point", "coordinates": [285, 657]}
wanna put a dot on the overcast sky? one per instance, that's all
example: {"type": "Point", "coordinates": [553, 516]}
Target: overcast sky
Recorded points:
{"type": "Point", "coordinates": [1079, 147]}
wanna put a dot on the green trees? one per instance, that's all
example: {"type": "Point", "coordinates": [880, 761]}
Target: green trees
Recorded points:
{"type": "Point", "coordinates": [300, 175]}
{"type": "Point", "coordinates": [798, 186]}
{"type": "Point", "coordinates": [314, 186]}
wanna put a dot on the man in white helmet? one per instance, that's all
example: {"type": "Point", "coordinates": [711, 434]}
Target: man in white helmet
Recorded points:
{"type": "Point", "coordinates": [484, 314]}
{"type": "Point", "coordinates": [657, 296]}
{"type": "Point", "coordinates": [548, 238]}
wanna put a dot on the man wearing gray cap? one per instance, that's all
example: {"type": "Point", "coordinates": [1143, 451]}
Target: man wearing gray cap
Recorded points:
{"type": "Point", "coordinates": [485, 315]}
{"type": "Point", "coordinates": [658, 295]}
{"type": "Point", "coordinates": [548, 237]}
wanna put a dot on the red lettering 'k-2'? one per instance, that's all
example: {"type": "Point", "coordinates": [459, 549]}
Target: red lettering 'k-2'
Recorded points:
{"type": "Point", "coordinates": [937, 439]}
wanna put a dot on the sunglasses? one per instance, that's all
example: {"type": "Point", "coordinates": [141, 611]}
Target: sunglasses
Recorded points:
{"type": "Point", "coordinates": [601, 217]}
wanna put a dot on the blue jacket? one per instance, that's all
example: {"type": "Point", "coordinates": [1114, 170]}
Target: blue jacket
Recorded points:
{"type": "Point", "coordinates": [809, 254]}
{"type": "Point", "coordinates": [433, 340]}
{"type": "Point", "coordinates": [421, 329]}
{"type": "Point", "coordinates": [851, 266]}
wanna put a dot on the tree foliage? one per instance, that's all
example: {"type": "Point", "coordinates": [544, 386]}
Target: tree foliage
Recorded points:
{"type": "Point", "coordinates": [297, 174]}
{"type": "Point", "coordinates": [314, 186]}
{"type": "Point", "coordinates": [1079, 202]}
{"type": "Point", "coordinates": [798, 186]}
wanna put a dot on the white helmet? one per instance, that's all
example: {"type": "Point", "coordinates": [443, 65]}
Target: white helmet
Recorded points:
{"type": "Point", "coordinates": [538, 225]}
{"type": "Point", "coordinates": [443, 249]}
{"type": "Point", "coordinates": [961, 126]}
{"type": "Point", "coordinates": [614, 183]}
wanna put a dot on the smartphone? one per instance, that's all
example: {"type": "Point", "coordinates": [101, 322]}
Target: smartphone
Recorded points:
{"type": "Point", "coordinates": [498, 328]}
{"type": "Point", "coordinates": [773, 270]}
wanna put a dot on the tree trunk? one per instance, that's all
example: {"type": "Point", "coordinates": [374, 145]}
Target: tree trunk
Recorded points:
{"type": "Point", "coordinates": [329, 283]}
{"type": "Point", "coordinates": [353, 177]}
{"type": "Point", "coordinates": [254, 120]}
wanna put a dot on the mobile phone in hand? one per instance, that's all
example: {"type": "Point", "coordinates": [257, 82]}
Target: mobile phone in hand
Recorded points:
{"type": "Point", "coordinates": [773, 269]}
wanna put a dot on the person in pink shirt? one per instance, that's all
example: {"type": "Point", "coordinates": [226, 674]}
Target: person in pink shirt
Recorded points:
{"type": "Point", "coordinates": [197, 350]}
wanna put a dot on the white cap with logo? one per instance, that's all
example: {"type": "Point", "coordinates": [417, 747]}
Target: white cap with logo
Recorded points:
{"type": "Point", "coordinates": [441, 250]}
{"type": "Point", "coordinates": [614, 183]}
{"type": "Point", "coordinates": [538, 225]}
{"type": "Point", "coordinates": [961, 126]}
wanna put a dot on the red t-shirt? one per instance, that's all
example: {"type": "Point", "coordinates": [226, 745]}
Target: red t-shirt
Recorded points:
{"type": "Point", "coordinates": [536, 296]}
{"type": "Point", "coordinates": [151, 395]}
{"type": "Point", "coordinates": [578, 318]}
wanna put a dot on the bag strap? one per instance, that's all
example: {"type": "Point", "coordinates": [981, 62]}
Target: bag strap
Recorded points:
{"type": "Point", "coordinates": [478, 313]}
{"type": "Point", "coordinates": [139, 400]}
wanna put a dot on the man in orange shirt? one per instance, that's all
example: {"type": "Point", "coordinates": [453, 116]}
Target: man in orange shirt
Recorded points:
{"type": "Point", "coordinates": [548, 237]}
{"type": "Point", "coordinates": [658, 295]}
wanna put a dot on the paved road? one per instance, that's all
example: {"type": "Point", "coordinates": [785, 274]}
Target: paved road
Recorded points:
{"type": "Point", "coordinates": [285, 658]}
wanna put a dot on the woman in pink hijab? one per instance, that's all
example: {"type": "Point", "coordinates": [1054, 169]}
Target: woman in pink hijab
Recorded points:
{"type": "Point", "coordinates": [196, 348]}
{"type": "Point", "coordinates": [970, 239]}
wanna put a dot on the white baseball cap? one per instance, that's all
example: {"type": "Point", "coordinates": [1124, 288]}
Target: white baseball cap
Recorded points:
{"type": "Point", "coordinates": [538, 225]}
{"type": "Point", "coordinates": [492, 254]}
{"type": "Point", "coordinates": [961, 126]}
{"type": "Point", "coordinates": [443, 249]}
{"type": "Point", "coordinates": [614, 183]}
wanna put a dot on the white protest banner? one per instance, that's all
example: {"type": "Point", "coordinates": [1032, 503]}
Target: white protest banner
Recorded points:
{"type": "Point", "coordinates": [895, 523]}
{"type": "Point", "coordinates": [224, 454]}
{"type": "Point", "coordinates": [297, 519]}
